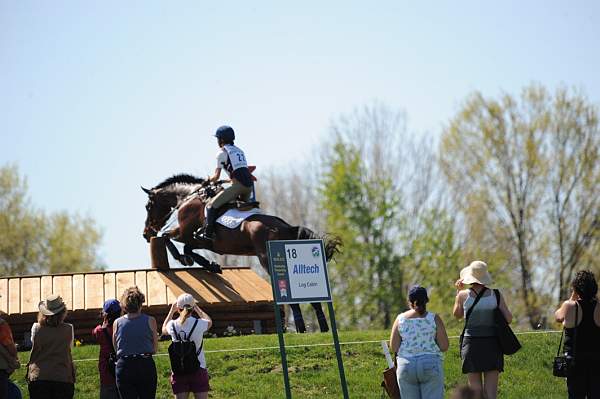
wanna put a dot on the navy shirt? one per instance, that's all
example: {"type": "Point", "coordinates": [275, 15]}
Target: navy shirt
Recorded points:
{"type": "Point", "coordinates": [134, 336]}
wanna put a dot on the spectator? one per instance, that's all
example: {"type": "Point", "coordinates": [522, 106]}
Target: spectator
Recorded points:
{"type": "Point", "coordinates": [51, 373]}
{"type": "Point", "coordinates": [189, 327]}
{"type": "Point", "coordinates": [419, 337]}
{"type": "Point", "coordinates": [482, 358]}
{"type": "Point", "coordinates": [111, 311]}
{"type": "Point", "coordinates": [582, 336]}
{"type": "Point", "coordinates": [9, 361]}
{"type": "Point", "coordinates": [135, 341]}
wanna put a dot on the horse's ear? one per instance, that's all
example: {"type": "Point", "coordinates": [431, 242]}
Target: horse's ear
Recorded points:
{"type": "Point", "coordinates": [149, 192]}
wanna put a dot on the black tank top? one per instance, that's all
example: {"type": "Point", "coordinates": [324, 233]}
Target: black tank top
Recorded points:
{"type": "Point", "coordinates": [587, 343]}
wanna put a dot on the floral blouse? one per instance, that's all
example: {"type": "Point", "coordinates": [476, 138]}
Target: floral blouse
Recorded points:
{"type": "Point", "coordinates": [418, 336]}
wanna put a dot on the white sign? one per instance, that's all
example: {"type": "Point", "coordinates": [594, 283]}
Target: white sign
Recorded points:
{"type": "Point", "coordinates": [306, 271]}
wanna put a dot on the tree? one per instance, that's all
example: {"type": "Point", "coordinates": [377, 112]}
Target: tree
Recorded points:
{"type": "Point", "coordinates": [289, 192]}
{"type": "Point", "coordinates": [363, 212]}
{"type": "Point", "coordinates": [498, 156]}
{"type": "Point", "coordinates": [71, 244]}
{"type": "Point", "coordinates": [377, 181]}
{"type": "Point", "coordinates": [33, 242]}
{"type": "Point", "coordinates": [21, 224]}
{"type": "Point", "coordinates": [434, 256]}
{"type": "Point", "coordinates": [573, 152]}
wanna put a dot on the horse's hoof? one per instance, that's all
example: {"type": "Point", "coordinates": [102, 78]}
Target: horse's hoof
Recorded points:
{"type": "Point", "coordinates": [214, 268]}
{"type": "Point", "coordinates": [186, 260]}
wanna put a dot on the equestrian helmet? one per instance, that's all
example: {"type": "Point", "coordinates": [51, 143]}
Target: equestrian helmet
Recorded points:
{"type": "Point", "coordinates": [225, 133]}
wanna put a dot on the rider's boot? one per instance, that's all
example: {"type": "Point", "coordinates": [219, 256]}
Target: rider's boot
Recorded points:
{"type": "Point", "coordinates": [209, 229]}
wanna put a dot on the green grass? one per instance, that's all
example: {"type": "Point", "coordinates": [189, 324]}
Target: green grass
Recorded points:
{"type": "Point", "coordinates": [313, 371]}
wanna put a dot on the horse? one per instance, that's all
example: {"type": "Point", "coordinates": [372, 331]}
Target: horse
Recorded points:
{"type": "Point", "coordinates": [187, 195]}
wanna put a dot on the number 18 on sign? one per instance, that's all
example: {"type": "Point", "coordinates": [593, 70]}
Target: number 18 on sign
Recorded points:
{"type": "Point", "coordinates": [298, 275]}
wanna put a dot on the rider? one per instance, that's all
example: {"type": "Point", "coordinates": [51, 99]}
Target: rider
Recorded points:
{"type": "Point", "coordinates": [233, 160]}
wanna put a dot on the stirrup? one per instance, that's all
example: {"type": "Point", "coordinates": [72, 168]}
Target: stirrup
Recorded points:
{"type": "Point", "coordinates": [201, 234]}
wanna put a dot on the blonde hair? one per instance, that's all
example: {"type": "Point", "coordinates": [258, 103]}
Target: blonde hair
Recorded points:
{"type": "Point", "coordinates": [185, 314]}
{"type": "Point", "coordinates": [132, 299]}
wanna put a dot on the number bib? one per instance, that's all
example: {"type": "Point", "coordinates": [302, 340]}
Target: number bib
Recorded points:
{"type": "Point", "coordinates": [237, 158]}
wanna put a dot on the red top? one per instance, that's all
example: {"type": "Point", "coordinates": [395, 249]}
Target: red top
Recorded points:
{"type": "Point", "coordinates": [105, 348]}
{"type": "Point", "coordinates": [6, 338]}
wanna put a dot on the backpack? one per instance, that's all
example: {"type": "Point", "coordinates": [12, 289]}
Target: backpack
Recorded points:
{"type": "Point", "coordinates": [183, 354]}
{"type": "Point", "coordinates": [112, 356]}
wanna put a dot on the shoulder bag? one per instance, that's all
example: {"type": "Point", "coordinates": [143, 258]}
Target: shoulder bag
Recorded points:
{"type": "Point", "coordinates": [564, 363]}
{"type": "Point", "coordinates": [462, 335]}
{"type": "Point", "coordinates": [509, 344]}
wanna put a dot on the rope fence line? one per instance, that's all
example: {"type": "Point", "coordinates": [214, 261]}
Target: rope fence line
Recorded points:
{"type": "Point", "coordinates": [261, 348]}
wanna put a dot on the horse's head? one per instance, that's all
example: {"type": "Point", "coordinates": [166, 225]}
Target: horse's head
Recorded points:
{"type": "Point", "coordinates": [158, 209]}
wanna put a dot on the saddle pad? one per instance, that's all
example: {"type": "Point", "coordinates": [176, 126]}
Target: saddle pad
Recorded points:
{"type": "Point", "coordinates": [234, 217]}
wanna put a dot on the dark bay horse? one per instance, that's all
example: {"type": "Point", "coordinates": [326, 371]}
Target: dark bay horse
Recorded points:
{"type": "Point", "coordinates": [186, 195]}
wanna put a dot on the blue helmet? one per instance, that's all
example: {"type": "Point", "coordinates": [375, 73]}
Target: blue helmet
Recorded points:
{"type": "Point", "coordinates": [225, 133]}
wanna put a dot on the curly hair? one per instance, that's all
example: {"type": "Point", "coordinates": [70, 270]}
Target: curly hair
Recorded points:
{"type": "Point", "coordinates": [132, 299]}
{"type": "Point", "coordinates": [52, 320]}
{"type": "Point", "coordinates": [585, 285]}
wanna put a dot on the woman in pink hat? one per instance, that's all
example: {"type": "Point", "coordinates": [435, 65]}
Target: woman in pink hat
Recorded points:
{"type": "Point", "coordinates": [482, 358]}
{"type": "Point", "coordinates": [187, 327]}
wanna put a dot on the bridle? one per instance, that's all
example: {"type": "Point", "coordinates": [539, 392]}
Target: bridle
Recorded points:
{"type": "Point", "coordinates": [205, 192]}
{"type": "Point", "coordinates": [153, 225]}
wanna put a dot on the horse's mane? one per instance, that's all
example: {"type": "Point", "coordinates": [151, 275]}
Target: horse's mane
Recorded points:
{"type": "Point", "coordinates": [180, 178]}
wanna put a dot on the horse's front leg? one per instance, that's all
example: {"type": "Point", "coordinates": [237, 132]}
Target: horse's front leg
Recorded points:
{"type": "Point", "coordinates": [185, 259]}
{"type": "Point", "coordinates": [172, 234]}
{"type": "Point", "coordinates": [214, 267]}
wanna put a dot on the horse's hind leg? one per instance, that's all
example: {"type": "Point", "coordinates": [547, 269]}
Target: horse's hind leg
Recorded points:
{"type": "Point", "coordinates": [323, 326]}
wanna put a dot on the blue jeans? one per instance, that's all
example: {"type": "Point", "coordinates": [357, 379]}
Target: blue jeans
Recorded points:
{"type": "Point", "coordinates": [420, 377]}
{"type": "Point", "coordinates": [136, 378]}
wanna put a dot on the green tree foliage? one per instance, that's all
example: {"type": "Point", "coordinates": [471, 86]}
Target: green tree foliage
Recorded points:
{"type": "Point", "coordinates": [509, 162]}
{"type": "Point", "coordinates": [35, 242]}
{"type": "Point", "coordinates": [363, 212]}
{"type": "Point", "coordinates": [573, 159]}
{"type": "Point", "coordinates": [379, 193]}
{"type": "Point", "coordinates": [434, 257]}
{"type": "Point", "coordinates": [20, 246]}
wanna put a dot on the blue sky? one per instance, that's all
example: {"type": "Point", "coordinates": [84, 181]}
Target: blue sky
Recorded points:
{"type": "Point", "coordinates": [99, 98]}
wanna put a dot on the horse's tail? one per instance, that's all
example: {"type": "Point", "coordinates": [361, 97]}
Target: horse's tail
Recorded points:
{"type": "Point", "coordinates": [332, 242]}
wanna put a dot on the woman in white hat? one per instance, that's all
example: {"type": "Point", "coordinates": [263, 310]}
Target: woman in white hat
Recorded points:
{"type": "Point", "coordinates": [50, 373]}
{"type": "Point", "coordinates": [482, 359]}
{"type": "Point", "coordinates": [190, 328]}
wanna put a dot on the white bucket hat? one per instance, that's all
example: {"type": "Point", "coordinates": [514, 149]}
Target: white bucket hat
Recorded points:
{"type": "Point", "coordinates": [185, 300]}
{"type": "Point", "coordinates": [476, 272]}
